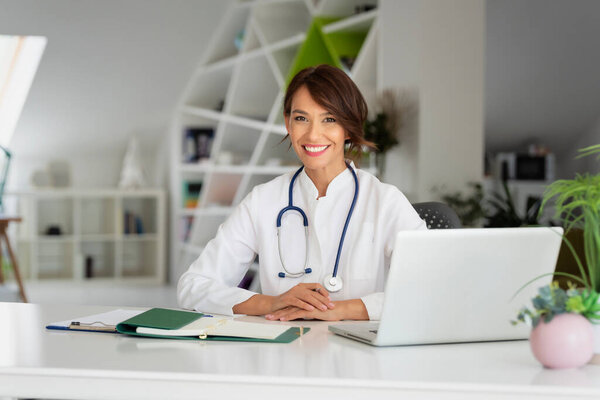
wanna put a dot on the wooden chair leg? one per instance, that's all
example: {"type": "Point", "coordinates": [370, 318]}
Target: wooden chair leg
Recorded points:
{"type": "Point", "coordinates": [15, 266]}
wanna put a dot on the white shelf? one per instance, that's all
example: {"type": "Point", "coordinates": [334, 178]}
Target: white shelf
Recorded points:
{"type": "Point", "coordinates": [91, 223]}
{"type": "Point", "coordinates": [146, 237]}
{"type": "Point", "coordinates": [249, 83]}
{"type": "Point", "coordinates": [53, 239]}
{"type": "Point", "coordinates": [359, 22]}
{"type": "Point", "coordinates": [98, 238]}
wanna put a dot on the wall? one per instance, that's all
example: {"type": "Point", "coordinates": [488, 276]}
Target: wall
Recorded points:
{"type": "Point", "coordinates": [438, 49]}
{"type": "Point", "coordinates": [567, 165]}
{"type": "Point", "coordinates": [111, 69]}
{"type": "Point", "coordinates": [91, 169]}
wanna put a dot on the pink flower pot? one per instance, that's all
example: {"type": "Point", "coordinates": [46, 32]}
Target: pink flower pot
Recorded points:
{"type": "Point", "coordinates": [565, 342]}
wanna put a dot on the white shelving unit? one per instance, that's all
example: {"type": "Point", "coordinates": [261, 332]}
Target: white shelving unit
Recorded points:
{"type": "Point", "coordinates": [238, 93]}
{"type": "Point", "coordinates": [100, 234]}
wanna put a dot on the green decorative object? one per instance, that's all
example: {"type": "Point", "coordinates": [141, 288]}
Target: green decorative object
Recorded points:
{"type": "Point", "coordinates": [334, 48]}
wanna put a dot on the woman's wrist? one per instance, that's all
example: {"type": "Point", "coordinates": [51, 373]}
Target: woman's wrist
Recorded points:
{"type": "Point", "coordinates": [350, 309]}
{"type": "Point", "coordinates": [259, 304]}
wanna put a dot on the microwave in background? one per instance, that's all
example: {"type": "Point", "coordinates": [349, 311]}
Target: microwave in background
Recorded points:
{"type": "Point", "coordinates": [527, 167]}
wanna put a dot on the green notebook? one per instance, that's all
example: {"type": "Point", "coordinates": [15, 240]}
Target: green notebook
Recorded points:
{"type": "Point", "coordinates": [186, 325]}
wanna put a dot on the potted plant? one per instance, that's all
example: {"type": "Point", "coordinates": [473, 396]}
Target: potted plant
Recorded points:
{"type": "Point", "coordinates": [561, 320]}
{"type": "Point", "coordinates": [394, 109]}
{"type": "Point", "coordinates": [468, 206]}
{"type": "Point", "coordinates": [577, 206]}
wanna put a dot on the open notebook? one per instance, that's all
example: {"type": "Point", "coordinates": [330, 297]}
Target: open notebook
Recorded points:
{"type": "Point", "coordinates": [176, 324]}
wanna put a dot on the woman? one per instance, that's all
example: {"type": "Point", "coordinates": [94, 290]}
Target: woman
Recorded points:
{"type": "Point", "coordinates": [333, 270]}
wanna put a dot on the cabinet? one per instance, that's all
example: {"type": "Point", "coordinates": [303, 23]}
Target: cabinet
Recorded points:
{"type": "Point", "coordinates": [228, 128]}
{"type": "Point", "coordinates": [90, 234]}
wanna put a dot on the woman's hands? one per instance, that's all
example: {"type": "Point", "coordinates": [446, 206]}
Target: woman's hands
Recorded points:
{"type": "Point", "coordinates": [291, 313]}
{"type": "Point", "coordinates": [304, 296]}
{"type": "Point", "coordinates": [347, 309]}
{"type": "Point", "coordinates": [305, 300]}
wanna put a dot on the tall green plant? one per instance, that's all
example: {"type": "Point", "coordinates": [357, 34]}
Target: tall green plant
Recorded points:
{"type": "Point", "coordinates": [577, 205]}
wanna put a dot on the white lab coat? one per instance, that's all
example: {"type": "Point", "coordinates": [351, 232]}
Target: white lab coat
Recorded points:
{"type": "Point", "coordinates": [210, 283]}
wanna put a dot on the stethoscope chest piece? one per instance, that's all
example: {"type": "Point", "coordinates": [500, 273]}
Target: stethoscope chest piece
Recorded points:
{"type": "Point", "coordinates": [333, 283]}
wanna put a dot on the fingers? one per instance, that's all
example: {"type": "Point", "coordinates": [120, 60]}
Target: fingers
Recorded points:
{"type": "Point", "coordinates": [306, 296]}
{"type": "Point", "coordinates": [317, 295]}
{"type": "Point", "coordinates": [288, 314]}
{"type": "Point", "coordinates": [300, 304]}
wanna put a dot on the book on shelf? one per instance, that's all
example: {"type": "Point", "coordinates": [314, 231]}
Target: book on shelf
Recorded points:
{"type": "Point", "coordinates": [191, 193]}
{"type": "Point", "coordinates": [197, 143]}
{"type": "Point", "coordinates": [132, 224]}
{"type": "Point", "coordinates": [186, 227]}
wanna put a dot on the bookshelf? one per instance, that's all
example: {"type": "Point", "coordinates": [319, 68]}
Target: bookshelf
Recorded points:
{"type": "Point", "coordinates": [237, 92]}
{"type": "Point", "coordinates": [93, 234]}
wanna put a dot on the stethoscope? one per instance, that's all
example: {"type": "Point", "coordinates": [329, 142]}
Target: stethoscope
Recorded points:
{"type": "Point", "coordinates": [332, 282]}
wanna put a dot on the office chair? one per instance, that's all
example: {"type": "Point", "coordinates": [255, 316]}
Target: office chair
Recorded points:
{"type": "Point", "coordinates": [437, 215]}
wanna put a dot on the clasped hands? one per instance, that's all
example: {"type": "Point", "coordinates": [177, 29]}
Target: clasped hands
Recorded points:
{"type": "Point", "coordinates": [305, 300]}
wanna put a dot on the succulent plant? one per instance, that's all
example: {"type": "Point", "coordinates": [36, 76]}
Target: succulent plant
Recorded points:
{"type": "Point", "coordinates": [551, 300]}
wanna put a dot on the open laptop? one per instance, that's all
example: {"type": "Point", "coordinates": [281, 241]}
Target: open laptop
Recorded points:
{"type": "Point", "coordinates": [456, 285]}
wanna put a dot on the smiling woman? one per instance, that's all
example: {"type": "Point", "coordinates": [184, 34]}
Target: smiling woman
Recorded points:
{"type": "Point", "coordinates": [323, 111]}
{"type": "Point", "coordinates": [330, 203]}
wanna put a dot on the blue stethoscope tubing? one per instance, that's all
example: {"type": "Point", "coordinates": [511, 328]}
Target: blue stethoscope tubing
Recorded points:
{"type": "Point", "coordinates": [331, 282]}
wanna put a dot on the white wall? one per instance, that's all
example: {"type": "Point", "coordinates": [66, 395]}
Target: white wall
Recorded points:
{"type": "Point", "coordinates": [91, 169]}
{"type": "Point", "coordinates": [437, 48]}
{"type": "Point", "coordinates": [567, 165]}
{"type": "Point", "coordinates": [111, 69]}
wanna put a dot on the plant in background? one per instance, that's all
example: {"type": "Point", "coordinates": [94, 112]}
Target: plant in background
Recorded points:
{"type": "Point", "coordinates": [394, 110]}
{"type": "Point", "coordinates": [577, 206]}
{"type": "Point", "coordinates": [468, 207]}
{"type": "Point", "coordinates": [504, 213]}
{"type": "Point", "coordinates": [552, 300]}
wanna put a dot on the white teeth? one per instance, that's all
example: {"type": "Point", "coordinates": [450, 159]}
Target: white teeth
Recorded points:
{"type": "Point", "coordinates": [315, 149]}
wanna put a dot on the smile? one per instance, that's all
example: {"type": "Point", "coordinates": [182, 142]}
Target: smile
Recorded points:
{"type": "Point", "coordinates": [315, 150]}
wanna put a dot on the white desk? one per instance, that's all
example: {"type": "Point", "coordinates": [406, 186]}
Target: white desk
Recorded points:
{"type": "Point", "coordinates": [35, 362]}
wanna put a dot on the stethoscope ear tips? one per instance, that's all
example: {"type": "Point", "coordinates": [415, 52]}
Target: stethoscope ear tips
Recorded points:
{"type": "Point", "coordinates": [308, 270]}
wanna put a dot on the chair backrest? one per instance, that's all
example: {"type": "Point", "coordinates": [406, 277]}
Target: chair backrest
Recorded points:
{"type": "Point", "coordinates": [438, 215]}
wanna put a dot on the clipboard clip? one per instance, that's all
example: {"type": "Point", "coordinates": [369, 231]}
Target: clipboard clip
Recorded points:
{"type": "Point", "coordinates": [92, 326]}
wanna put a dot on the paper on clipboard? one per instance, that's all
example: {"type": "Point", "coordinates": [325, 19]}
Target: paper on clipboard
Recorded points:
{"type": "Point", "coordinates": [104, 322]}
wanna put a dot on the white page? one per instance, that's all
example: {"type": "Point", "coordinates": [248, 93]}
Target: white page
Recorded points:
{"type": "Point", "coordinates": [110, 318]}
{"type": "Point", "coordinates": [221, 327]}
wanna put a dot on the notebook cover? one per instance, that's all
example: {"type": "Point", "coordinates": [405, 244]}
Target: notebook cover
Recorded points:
{"type": "Point", "coordinates": [161, 318]}
{"type": "Point", "coordinates": [286, 337]}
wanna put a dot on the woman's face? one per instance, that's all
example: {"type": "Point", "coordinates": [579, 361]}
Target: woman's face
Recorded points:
{"type": "Point", "coordinates": [318, 139]}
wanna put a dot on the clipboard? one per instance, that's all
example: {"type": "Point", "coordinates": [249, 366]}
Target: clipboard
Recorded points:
{"type": "Point", "coordinates": [104, 322]}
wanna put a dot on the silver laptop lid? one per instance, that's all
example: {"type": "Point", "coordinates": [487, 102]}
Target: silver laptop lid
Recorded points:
{"type": "Point", "coordinates": [456, 285]}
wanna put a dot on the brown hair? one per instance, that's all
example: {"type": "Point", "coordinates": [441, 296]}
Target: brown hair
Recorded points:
{"type": "Point", "coordinates": [333, 90]}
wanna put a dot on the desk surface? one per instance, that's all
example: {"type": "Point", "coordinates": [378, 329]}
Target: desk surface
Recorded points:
{"type": "Point", "coordinates": [35, 362]}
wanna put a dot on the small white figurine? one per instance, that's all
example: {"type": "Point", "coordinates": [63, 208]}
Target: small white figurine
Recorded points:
{"type": "Point", "coordinates": [132, 175]}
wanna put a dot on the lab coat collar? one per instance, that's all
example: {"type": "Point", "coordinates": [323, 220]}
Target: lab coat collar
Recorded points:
{"type": "Point", "coordinates": [338, 183]}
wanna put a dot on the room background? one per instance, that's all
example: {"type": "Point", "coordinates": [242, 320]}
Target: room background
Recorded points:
{"type": "Point", "coordinates": [491, 76]}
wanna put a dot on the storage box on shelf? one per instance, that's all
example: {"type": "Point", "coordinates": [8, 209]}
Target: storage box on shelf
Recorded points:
{"type": "Point", "coordinates": [96, 234]}
{"type": "Point", "coordinates": [237, 91]}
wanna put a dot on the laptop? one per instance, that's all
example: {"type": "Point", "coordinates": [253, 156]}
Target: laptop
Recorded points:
{"type": "Point", "coordinates": [457, 285]}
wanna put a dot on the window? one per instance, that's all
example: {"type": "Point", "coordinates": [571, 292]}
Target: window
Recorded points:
{"type": "Point", "coordinates": [19, 60]}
